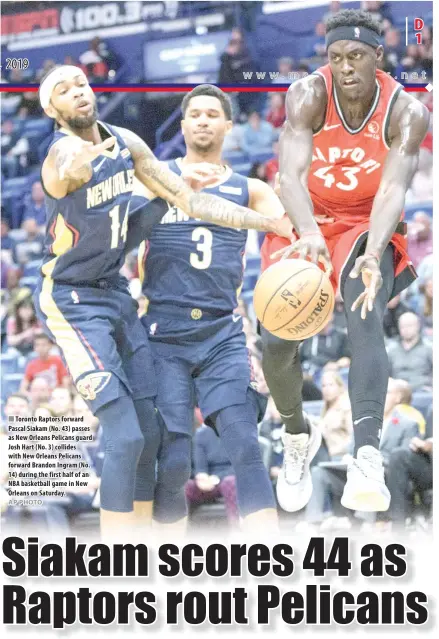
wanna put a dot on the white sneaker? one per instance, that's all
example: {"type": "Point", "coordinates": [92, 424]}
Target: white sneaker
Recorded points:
{"type": "Point", "coordinates": [365, 488]}
{"type": "Point", "coordinates": [294, 485]}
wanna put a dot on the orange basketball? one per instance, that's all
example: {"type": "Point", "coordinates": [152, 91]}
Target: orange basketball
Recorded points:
{"type": "Point", "coordinates": [293, 299]}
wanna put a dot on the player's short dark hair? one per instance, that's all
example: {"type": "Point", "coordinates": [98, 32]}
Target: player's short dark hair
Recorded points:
{"type": "Point", "coordinates": [215, 92]}
{"type": "Point", "coordinates": [353, 18]}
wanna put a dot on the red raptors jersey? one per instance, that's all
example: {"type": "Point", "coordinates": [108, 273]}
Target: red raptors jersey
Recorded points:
{"type": "Point", "coordinates": [344, 177]}
{"type": "Point", "coordinates": [347, 164]}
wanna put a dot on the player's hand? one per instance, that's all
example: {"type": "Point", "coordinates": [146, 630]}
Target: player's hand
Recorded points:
{"type": "Point", "coordinates": [200, 175]}
{"type": "Point", "coordinates": [82, 152]}
{"type": "Point", "coordinates": [283, 228]}
{"type": "Point", "coordinates": [416, 444]}
{"type": "Point", "coordinates": [312, 246]}
{"type": "Point", "coordinates": [369, 267]}
{"type": "Point", "coordinates": [421, 445]}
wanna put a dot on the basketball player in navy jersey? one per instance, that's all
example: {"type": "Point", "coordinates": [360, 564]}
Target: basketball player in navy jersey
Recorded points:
{"type": "Point", "coordinates": [192, 275]}
{"type": "Point", "coordinates": [88, 176]}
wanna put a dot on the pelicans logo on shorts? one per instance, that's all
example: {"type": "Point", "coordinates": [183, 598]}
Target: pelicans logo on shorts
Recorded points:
{"type": "Point", "coordinates": [92, 384]}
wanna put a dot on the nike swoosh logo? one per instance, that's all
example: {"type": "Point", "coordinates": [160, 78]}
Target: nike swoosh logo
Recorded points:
{"type": "Point", "coordinates": [96, 168]}
{"type": "Point", "coordinates": [361, 420]}
{"type": "Point", "coordinates": [328, 127]}
{"type": "Point", "coordinates": [236, 318]}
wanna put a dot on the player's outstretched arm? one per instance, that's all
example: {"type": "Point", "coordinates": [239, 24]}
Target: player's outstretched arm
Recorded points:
{"type": "Point", "coordinates": [402, 160]}
{"type": "Point", "coordinates": [164, 183]}
{"type": "Point", "coordinates": [305, 106]}
{"type": "Point", "coordinates": [68, 164]}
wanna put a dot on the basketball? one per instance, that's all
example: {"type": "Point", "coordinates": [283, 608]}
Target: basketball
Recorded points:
{"type": "Point", "coordinates": [293, 299]}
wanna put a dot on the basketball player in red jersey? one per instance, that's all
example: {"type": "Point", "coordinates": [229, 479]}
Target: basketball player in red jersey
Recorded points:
{"type": "Point", "coordinates": [348, 152]}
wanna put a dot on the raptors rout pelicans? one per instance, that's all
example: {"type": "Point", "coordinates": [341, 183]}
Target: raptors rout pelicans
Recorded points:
{"type": "Point", "coordinates": [348, 152]}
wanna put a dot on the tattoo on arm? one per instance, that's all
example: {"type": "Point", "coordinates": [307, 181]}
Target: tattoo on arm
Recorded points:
{"type": "Point", "coordinates": [157, 177]}
{"type": "Point", "coordinates": [59, 154]}
{"type": "Point", "coordinates": [225, 213]}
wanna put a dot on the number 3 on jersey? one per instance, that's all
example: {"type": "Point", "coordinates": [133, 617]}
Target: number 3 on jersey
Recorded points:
{"type": "Point", "coordinates": [328, 179]}
{"type": "Point", "coordinates": [115, 226]}
{"type": "Point", "coordinates": [204, 239]}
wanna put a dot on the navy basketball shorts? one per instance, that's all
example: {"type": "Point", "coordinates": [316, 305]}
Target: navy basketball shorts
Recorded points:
{"type": "Point", "coordinates": [199, 361]}
{"type": "Point", "coordinates": [101, 338]}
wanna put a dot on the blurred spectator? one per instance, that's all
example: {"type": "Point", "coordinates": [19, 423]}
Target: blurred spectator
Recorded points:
{"type": "Point", "coordinates": [18, 405]}
{"type": "Point", "coordinates": [15, 148]}
{"type": "Point", "coordinates": [213, 474]}
{"type": "Point", "coordinates": [336, 420]}
{"type": "Point", "coordinates": [22, 326]}
{"type": "Point", "coordinates": [70, 60]}
{"type": "Point", "coordinates": [235, 61]}
{"type": "Point", "coordinates": [410, 358]}
{"type": "Point", "coordinates": [22, 115]}
{"type": "Point", "coordinates": [99, 60]}
{"type": "Point", "coordinates": [401, 421]}
{"type": "Point", "coordinates": [415, 64]}
{"type": "Point", "coordinates": [420, 237]}
{"type": "Point", "coordinates": [330, 345]}
{"type": "Point", "coordinates": [39, 392]}
{"type": "Point", "coordinates": [257, 135]}
{"type": "Point", "coordinates": [31, 102]}
{"type": "Point", "coordinates": [319, 47]}
{"type": "Point", "coordinates": [3, 315]}
{"type": "Point", "coordinates": [233, 140]}
{"type": "Point", "coordinates": [272, 166]}
{"type": "Point", "coordinates": [422, 305]}
{"type": "Point", "coordinates": [48, 64]}
{"type": "Point", "coordinates": [8, 244]}
{"type": "Point", "coordinates": [10, 276]}
{"type": "Point", "coordinates": [410, 468]}
{"type": "Point", "coordinates": [45, 365]}
{"type": "Point", "coordinates": [35, 209]}
{"type": "Point", "coordinates": [393, 49]}
{"type": "Point", "coordinates": [425, 269]}
{"type": "Point", "coordinates": [285, 69]}
{"type": "Point", "coordinates": [31, 247]}
{"type": "Point", "coordinates": [334, 7]}
{"type": "Point", "coordinates": [395, 308]}
{"type": "Point", "coordinates": [276, 113]}
{"type": "Point", "coordinates": [421, 188]}
{"type": "Point", "coordinates": [61, 402]}
{"type": "Point", "coordinates": [93, 63]}
{"type": "Point", "coordinates": [380, 11]}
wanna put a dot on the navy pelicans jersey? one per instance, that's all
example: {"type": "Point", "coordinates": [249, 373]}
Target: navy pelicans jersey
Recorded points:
{"type": "Point", "coordinates": [191, 263]}
{"type": "Point", "coordinates": [87, 229]}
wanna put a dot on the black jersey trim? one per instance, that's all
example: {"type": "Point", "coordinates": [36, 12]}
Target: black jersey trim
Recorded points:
{"type": "Point", "coordinates": [368, 116]}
